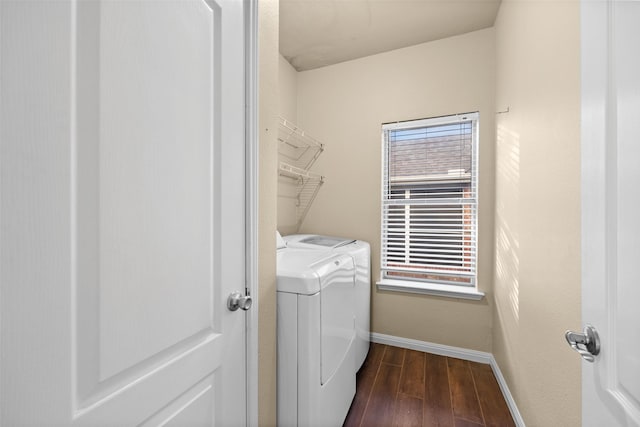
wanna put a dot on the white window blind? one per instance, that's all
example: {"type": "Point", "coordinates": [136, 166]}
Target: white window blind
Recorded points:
{"type": "Point", "coordinates": [429, 200]}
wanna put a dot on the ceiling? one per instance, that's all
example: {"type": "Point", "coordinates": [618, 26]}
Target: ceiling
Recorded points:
{"type": "Point", "coordinates": [316, 33]}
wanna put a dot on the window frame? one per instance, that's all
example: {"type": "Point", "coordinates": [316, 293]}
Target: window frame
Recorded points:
{"type": "Point", "coordinates": [425, 285]}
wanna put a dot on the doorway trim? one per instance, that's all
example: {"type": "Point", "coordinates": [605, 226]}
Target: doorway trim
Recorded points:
{"type": "Point", "coordinates": [251, 205]}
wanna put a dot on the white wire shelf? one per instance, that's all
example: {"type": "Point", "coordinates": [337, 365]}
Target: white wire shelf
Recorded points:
{"type": "Point", "coordinates": [307, 186]}
{"type": "Point", "coordinates": [297, 152]}
{"type": "Point", "coordinates": [294, 172]}
{"type": "Point", "coordinates": [296, 147]}
{"type": "Point", "coordinates": [308, 189]}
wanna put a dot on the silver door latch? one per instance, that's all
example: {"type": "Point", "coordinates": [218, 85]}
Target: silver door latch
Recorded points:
{"type": "Point", "coordinates": [236, 300]}
{"type": "Point", "coordinates": [586, 343]}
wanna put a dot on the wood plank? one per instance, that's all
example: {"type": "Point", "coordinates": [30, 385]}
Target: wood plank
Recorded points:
{"type": "Point", "coordinates": [438, 411]}
{"type": "Point", "coordinates": [412, 378]}
{"type": "Point", "coordinates": [494, 408]}
{"type": "Point", "coordinates": [364, 384]}
{"type": "Point", "coordinates": [393, 355]}
{"type": "Point", "coordinates": [380, 408]}
{"type": "Point", "coordinates": [408, 411]}
{"type": "Point", "coordinates": [373, 360]}
{"type": "Point", "coordinates": [460, 422]}
{"type": "Point", "coordinates": [456, 393]}
{"type": "Point", "coordinates": [463, 393]}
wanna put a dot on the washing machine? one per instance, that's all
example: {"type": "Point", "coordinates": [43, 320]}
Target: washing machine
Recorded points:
{"type": "Point", "coordinates": [361, 254]}
{"type": "Point", "coordinates": [316, 335]}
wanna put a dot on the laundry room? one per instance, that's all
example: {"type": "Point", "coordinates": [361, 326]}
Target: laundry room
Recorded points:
{"type": "Point", "coordinates": [303, 213]}
{"type": "Point", "coordinates": [526, 173]}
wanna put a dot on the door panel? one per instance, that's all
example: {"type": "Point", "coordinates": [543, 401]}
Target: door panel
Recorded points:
{"type": "Point", "coordinates": [152, 187]}
{"type": "Point", "coordinates": [626, 321]}
{"type": "Point", "coordinates": [187, 410]}
{"type": "Point", "coordinates": [137, 397]}
{"type": "Point", "coordinates": [122, 212]}
{"type": "Point", "coordinates": [611, 207]}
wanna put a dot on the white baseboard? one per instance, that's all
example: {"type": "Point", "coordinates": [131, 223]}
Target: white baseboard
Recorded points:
{"type": "Point", "coordinates": [459, 353]}
{"type": "Point", "coordinates": [511, 403]}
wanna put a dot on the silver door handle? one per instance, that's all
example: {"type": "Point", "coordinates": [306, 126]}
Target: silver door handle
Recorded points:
{"type": "Point", "coordinates": [586, 343]}
{"type": "Point", "coordinates": [236, 300]}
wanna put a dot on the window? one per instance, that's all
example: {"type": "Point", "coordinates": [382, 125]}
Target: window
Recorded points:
{"type": "Point", "coordinates": [429, 200]}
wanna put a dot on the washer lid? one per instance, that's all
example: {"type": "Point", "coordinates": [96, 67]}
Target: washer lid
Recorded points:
{"type": "Point", "coordinates": [310, 240]}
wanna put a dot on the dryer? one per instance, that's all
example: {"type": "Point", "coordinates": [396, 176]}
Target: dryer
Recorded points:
{"type": "Point", "coordinates": [360, 251]}
{"type": "Point", "coordinates": [316, 335]}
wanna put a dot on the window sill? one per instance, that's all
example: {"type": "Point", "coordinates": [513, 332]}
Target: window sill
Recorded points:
{"type": "Point", "coordinates": [450, 291]}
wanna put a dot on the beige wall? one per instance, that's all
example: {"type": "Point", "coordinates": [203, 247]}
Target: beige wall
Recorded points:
{"type": "Point", "coordinates": [268, 111]}
{"type": "Point", "coordinates": [537, 274]}
{"type": "Point", "coordinates": [288, 90]}
{"type": "Point", "coordinates": [288, 109]}
{"type": "Point", "coordinates": [344, 106]}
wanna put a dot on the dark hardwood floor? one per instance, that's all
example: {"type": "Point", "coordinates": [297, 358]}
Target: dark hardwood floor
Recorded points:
{"type": "Point", "coordinates": [405, 388]}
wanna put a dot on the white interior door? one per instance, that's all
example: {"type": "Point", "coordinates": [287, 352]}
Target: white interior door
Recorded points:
{"type": "Point", "coordinates": [122, 212]}
{"type": "Point", "coordinates": [611, 209]}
